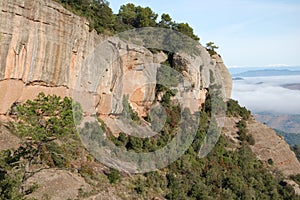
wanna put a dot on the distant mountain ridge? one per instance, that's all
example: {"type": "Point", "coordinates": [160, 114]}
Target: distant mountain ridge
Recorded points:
{"type": "Point", "coordinates": [267, 72]}
{"type": "Point", "coordinates": [234, 71]}
{"type": "Point", "coordinates": [291, 138]}
{"type": "Point", "coordinates": [287, 123]}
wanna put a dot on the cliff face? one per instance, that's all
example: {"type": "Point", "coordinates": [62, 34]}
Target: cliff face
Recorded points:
{"type": "Point", "coordinates": [44, 48]}
{"type": "Point", "coordinates": [41, 41]}
{"type": "Point", "coordinates": [223, 74]}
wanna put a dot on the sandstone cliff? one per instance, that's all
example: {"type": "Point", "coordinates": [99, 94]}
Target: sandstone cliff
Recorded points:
{"type": "Point", "coordinates": [42, 47]}
{"type": "Point", "coordinates": [223, 74]}
{"type": "Point", "coordinates": [45, 48]}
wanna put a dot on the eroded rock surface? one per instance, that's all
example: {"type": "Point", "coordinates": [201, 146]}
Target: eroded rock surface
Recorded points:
{"type": "Point", "coordinates": [268, 145]}
{"type": "Point", "coordinates": [223, 75]}
{"type": "Point", "coordinates": [7, 139]}
{"type": "Point", "coordinates": [57, 184]}
{"type": "Point", "coordinates": [46, 48]}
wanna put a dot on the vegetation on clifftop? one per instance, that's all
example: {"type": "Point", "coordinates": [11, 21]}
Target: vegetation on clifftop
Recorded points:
{"type": "Point", "coordinates": [103, 20]}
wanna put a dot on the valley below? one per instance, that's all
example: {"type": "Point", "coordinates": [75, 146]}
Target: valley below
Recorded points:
{"type": "Point", "coordinates": [273, 100]}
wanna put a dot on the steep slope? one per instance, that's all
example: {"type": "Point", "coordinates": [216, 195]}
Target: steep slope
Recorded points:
{"type": "Point", "coordinates": [270, 145]}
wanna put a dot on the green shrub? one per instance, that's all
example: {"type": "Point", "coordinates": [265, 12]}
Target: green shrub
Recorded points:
{"type": "Point", "coordinates": [250, 139]}
{"type": "Point", "coordinates": [296, 178]}
{"type": "Point", "coordinates": [128, 113]}
{"type": "Point", "coordinates": [46, 117]}
{"type": "Point", "coordinates": [140, 186]}
{"type": "Point", "coordinates": [235, 110]}
{"type": "Point", "coordinates": [242, 126]}
{"type": "Point", "coordinates": [86, 170]}
{"type": "Point", "coordinates": [270, 161]}
{"type": "Point", "coordinates": [211, 47]}
{"type": "Point", "coordinates": [113, 176]}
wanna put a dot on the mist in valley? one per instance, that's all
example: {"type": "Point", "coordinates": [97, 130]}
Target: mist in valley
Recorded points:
{"type": "Point", "coordinates": [267, 94]}
{"type": "Point", "coordinates": [272, 102]}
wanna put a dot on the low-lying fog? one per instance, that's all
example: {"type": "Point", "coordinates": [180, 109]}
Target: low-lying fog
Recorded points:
{"type": "Point", "coordinates": [265, 94]}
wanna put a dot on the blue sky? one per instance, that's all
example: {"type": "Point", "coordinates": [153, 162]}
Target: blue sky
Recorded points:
{"type": "Point", "coordinates": [249, 32]}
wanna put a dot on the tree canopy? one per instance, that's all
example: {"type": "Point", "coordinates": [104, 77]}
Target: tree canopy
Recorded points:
{"type": "Point", "coordinates": [211, 47]}
{"type": "Point", "coordinates": [102, 19]}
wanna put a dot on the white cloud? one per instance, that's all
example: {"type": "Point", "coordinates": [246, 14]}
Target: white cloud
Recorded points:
{"type": "Point", "coordinates": [234, 66]}
{"type": "Point", "coordinates": [261, 94]}
{"type": "Point", "coordinates": [278, 65]}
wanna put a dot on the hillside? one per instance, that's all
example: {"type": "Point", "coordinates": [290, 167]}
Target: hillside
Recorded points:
{"type": "Point", "coordinates": [286, 123]}
{"type": "Point", "coordinates": [69, 90]}
{"type": "Point", "coordinates": [291, 138]}
{"type": "Point", "coordinates": [292, 86]}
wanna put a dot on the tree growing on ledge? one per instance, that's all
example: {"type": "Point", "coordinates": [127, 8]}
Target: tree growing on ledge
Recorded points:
{"type": "Point", "coordinates": [211, 47]}
{"type": "Point", "coordinates": [46, 127]}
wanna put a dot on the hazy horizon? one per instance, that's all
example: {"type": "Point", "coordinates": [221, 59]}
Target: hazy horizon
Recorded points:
{"type": "Point", "coordinates": [266, 94]}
